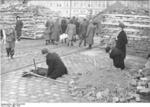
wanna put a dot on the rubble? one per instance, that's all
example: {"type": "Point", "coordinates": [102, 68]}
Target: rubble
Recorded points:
{"type": "Point", "coordinates": [33, 17]}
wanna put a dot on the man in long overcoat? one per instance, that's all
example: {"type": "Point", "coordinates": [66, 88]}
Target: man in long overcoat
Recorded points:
{"type": "Point", "coordinates": [18, 28]}
{"type": "Point", "coordinates": [71, 31]}
{"type": "Point", "coordinates": [90, 33]}
{"type": "Point", "coordinates": [56, 67]}
{"type": "Point", "coordinates": [83, 30]}
{"type": "Point", "coordinates": [56, 31]}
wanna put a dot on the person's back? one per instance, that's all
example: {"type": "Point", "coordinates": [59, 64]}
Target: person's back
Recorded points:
{"type": "Point", "coordinates": [122, 40]}
{"type": "Point", "coordinates": [63, 26]}
{"type": "Point", "coordinates": [56, 67]}
{"type": "Point", "coordinates": [71, 29]}
{"type": "Point", "coordinates": [83, 27]}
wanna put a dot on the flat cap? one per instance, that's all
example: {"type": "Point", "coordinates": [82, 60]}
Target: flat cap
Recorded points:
{"type": "Point", "coordinates": [44, 51]}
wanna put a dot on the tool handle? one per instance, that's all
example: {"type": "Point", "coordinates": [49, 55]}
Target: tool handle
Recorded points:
{"type": "Point", "coordinates": [34, 64]}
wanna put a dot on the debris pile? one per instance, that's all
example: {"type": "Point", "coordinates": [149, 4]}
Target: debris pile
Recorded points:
{"type": "Point", "coordinates": [141, 82]}
{"type": "Point", "coordinates": [105, 89]}
{"type": "Point", "coordinates": [33, 17]}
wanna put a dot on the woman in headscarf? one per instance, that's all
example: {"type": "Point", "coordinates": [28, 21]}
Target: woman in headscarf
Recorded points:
{"type": "Point", "coordinates": [118, 53]}
{"type": "Point", "coordinates": [122, 40]}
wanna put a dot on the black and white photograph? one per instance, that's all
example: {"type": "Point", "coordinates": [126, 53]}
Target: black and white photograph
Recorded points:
{"type": "Point", "coordinates": [74, 51]}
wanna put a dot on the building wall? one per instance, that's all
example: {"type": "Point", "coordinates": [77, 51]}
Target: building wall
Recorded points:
{"type": "Point", "coordinates": [74, 7]}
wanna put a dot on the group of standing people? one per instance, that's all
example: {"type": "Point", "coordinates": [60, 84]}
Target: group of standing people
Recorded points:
{"type": "Point", "coordinates": [73, 28]}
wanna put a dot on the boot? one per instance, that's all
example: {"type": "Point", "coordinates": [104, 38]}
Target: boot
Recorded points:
{"type": "Point", "coordinates": [8, 53]}
{"type": "Point", "coordinates": [12, 52]}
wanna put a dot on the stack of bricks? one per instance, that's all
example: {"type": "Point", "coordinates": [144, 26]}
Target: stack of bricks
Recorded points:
{"type": "Point", "coordinates": [137, 30]}
{"type": "Point", "coordinates": [33, 18]}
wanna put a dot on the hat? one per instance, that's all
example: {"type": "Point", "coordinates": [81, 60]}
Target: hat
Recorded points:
{"type": "Point", "coordinates": [44, 51]}
{"type": "Point", "coordinates": [121, 25]}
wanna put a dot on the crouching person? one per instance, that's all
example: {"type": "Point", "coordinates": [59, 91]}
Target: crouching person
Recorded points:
{"type": "Point", "coordinates": [117, 56]}
{"type": "Point", "coordinates": [56, 67]}
{"type": "Point", "coordinates": [10, 41]}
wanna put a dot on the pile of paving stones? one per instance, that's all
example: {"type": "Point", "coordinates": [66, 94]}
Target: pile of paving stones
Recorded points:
{"type": "Point", "coordinates": [112, 85]}
{"type": "Point", "coordinates": [141, 82]}
{"type": "Point", "coordinates": [93, 94]}
{"type": "Point", "coordinates": [33, 17]}
{"type": "Point", "coordinates": [99, 93]}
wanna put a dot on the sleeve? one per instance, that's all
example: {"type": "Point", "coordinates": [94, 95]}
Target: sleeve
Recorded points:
{"type": "Point", "coordinates": [50, 64]}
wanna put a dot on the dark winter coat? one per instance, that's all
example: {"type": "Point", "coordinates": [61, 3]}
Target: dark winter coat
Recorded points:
{"type": "Point", "coordinates": [56, 67]}
{"type": "Point", "coordinates": [18, 28]}
{"type": "Point", "coordinates": [121, 42]}
{"type": "Point", "coordinates": [63, 26]}
{"type": "Point", "coordinates": [83, 29]}
{"type": "Point", "coordinates": [118, 58]}
{"type": "Point", "coordinates": [56, 31]}
{"type": "Point", "coordinates": [77, 27]}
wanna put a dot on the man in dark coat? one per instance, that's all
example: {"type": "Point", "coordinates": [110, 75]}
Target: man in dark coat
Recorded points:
{"type": "Point", "coordinates": [63, 25]}
{"type": "Point", "coordinates": [56, 31]}
{"type": "Point", "coordinates": [18, 28]}
{"type": "Point", "coordinates": [56, 67]}
{"type": "Point", "coordinates": [83, 30]}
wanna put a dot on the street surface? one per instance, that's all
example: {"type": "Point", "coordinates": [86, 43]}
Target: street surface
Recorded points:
{"type": "Point", "coordinates": [18, 89]}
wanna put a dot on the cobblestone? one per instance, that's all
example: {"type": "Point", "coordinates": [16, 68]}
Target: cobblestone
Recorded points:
{"type": "Point", "coordinates": [33, 89]}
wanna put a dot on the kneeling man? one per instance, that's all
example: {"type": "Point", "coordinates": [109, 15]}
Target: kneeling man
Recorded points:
{"type": "Point", "coordinates": [56, 67]}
